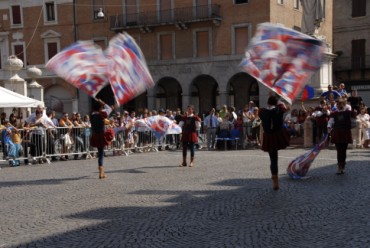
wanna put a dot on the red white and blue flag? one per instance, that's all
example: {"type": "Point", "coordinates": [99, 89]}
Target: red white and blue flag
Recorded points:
{"type": "Point", "coordinates": [122, 64]}
{"type": "Point", "coordinates": [282, 59]}
{"type": "Point", "coordinates": [308, 92]}
{"type": "Point", "coordinates": [128, 73]}
{"type": "Point", "coordinates": [82, 64]}
{"type": "Point", "coordinates": [159, 125]}
{"type": "Point", "coordinates": [299, 167]}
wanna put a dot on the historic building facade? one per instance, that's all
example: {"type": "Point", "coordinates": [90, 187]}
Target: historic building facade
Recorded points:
{"type": "Point", "coordinates": [193, 47]}
{"type": "Point", "coordinates": [352, 45]}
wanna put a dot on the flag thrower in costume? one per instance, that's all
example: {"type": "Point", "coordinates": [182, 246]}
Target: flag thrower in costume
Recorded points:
{"type": "Point", "coordinates": [85, 66]}
{"type": "Point", "coordinates": [282, 59]}
{"type": "Point", "coordinates": [298, 168]}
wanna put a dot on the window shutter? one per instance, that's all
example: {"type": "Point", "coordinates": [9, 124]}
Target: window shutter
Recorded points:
{"type": "Point", "coordinates": [358, 53]}
{"type": "Point", "coordinates": [16, 11]}
{"type": "Point", "coordinates": [241, 40]}
{"type": "Point", "coordinates": [166, 46]}
{"type": "Point", "coordinates": [52, 49]}
{"type": "Point", "coordinates": [202, 44]}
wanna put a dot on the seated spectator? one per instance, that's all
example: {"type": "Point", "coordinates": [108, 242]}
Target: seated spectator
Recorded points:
{"type": "Point", "coordinates": [226, 125]}
{"type": "Point", "coordinates": [6, 140]}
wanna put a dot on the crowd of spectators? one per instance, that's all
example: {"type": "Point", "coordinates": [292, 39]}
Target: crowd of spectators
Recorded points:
{"type": "Point", "coordinates": [26, 137]}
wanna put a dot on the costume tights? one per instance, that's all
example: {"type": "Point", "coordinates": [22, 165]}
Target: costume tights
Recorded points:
{"type": "Point", "coordinates": [185, 146]}
{"type": "Point", "coordinates": [274, 162]}
{"type": "Point", "coordinates": [341, 152]}
{"type": "Point", "coordinates": [100, 156]}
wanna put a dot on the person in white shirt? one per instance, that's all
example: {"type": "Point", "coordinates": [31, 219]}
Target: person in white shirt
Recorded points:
{"type": "Point", "coordinates": [210, 125]}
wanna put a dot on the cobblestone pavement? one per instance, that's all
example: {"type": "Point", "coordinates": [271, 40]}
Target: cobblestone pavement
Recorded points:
{"type": "Point", "coordinates": [226, 200]}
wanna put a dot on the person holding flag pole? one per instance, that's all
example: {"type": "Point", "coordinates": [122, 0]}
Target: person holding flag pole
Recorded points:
{"type": "Point", "coordinates": [100, 112]}
{"type": "Point", "coordinates": [275, 136]}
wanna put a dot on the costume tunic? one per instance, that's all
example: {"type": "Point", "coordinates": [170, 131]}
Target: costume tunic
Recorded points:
{"type": "Point", "coordinates": [275, 136]}
{"type": "Point", "coordinates": [340, 121]}
{"type": "Point", "coordinates": [189, 128]}
{"type": "Point", "coordinates": [97, 127]}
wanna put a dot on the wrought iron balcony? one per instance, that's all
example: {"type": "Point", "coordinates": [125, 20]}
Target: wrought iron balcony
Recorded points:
{"type": "Point", "coordinates": [180, 17]}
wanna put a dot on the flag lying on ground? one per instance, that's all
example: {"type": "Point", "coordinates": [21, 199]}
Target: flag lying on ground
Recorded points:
{"type": "Point", "coordinates": [282, 59]}
{"type": "Point", "coordinates": [122, 64]}
{"type": "Point", "coordinates": [159, 125]}
{"type": "Point", "coordinates": [298, 168]}
{"type": "Point", "coordinates": [308, 92]}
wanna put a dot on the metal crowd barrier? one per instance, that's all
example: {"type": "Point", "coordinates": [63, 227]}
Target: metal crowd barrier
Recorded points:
{"type": "Point", "coordinates": [39, 145]}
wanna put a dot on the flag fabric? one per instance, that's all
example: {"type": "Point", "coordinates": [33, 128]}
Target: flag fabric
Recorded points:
{"type": "Point", "coordinates": [83, 65]}
{"type": "Point", "coordinates": [282, 59]}
{"type": "Point", "coordinates": [128, 73]}
{"type": "Point", "coordinates": [122, 64]}
{"type": "Point", "coordinates": [159, 125]}
{"type": "Point", "coordinates": [308, 92]}
{"type": "Point", "coordinates": [299, 167]}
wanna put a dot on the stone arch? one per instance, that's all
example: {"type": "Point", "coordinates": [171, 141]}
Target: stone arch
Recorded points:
{"type": "Point", "coordinates": [204, 92]}
{"type": "Point", "coordinates": [59, 99]}
{"type": "Point", "coordinates": [243, 88]}
{"type": "Point", "coordinates": [168, 93]}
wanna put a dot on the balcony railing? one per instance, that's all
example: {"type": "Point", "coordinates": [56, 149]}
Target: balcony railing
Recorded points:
{"type": "Point", "coordinates": [178, 16]}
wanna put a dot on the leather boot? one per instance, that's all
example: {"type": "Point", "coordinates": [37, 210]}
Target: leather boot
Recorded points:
{"type": "Point", "coordinates": [275, 182]}
{"type": "Point", "coordinates": [191, 162]}
{"type": "Point", "coordinates": [183, 162]}
{"type": "Point", "coordinates": [101, 173]}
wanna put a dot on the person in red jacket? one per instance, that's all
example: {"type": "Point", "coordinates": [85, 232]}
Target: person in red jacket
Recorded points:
{"type": "Point", "coordinates": [189, 123]}
{"type": "Point", "coordinates": [275, 136]}
{"type": "Point", "coordinates": [340, 127]}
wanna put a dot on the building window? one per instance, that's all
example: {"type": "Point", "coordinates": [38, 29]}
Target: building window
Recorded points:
{"type": "Point", "coordinates": [358, 8]}
{"type": "Point", "coordinates": [358, 54]}
{"type": "Point", "coordinates": [296, 4]}
{"type": "Point", "coordinates": [52, 49]}
{"type": "Point", "coordinates": [97, 5]}
{"type": "Point", "coordinates": [50, 12]}
{"type": "Point", "coordinates": [165, 10]}
{"type": "Point", "coordinates": [202, 9]}
{"type": "Point", "coordinates": [241, 39]}
{"type": "Point", "coordinates": [280, 1]}
{"type": "Point", "coordinates": [131, 13]}
{"type": "Point", "coordinates": [240, 1]}
{"type": "Point", "coordinates": [16, 13]}
{"type": "Point", "coordinates": [18, 50]}
{"type": "Point", "coordinates": [201, 44]}
{"type": "Point", "coordinates": [166, 47]}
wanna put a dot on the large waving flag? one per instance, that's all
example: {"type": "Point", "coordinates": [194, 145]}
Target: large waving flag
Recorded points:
{"type": "Point", "coordinates": [282, 59]}
{"type": "Point", "coordinates": [86, 66]}
{"type": "Point", "coordinates": [82, 64]}
{"type": "Point", "coordinates": [159, 125]}
{"type": "Point", "coordinates": [128, 73]}
{"type": "Point", "coordinates": [298, 168]}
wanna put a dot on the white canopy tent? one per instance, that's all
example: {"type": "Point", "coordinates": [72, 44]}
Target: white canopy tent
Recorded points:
{"type": "Point", "coordinates": [10, 99]}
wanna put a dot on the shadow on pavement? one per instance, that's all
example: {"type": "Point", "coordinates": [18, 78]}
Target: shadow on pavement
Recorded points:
{"type": "Point", "coordinates": [324, 210]}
